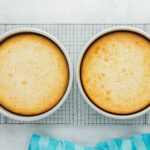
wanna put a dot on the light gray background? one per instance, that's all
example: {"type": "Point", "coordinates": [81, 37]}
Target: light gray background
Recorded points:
{"type": "Point", "coordinates": [47, 11]}
{"type": "Point", "coordinates": [16, 137]}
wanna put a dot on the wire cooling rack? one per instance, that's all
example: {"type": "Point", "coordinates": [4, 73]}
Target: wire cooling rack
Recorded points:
{"type": "Point", "coordinates": [75, 111]}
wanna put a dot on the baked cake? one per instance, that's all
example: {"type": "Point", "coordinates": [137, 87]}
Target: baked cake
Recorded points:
{"type": "Point", "coordinates": [33, 74]}
{"type": "Point", "coordinates": [115, 72]}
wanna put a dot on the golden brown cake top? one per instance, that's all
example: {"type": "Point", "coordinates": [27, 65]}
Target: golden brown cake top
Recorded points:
{"type": "Point", "coordinates": [33, 74]}
{"type": "Point", "coordinates": [115, 72]}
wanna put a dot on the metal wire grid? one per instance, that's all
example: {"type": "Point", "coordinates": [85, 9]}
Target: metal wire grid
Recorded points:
{"type": "Point", "coordinates": [75, 111]}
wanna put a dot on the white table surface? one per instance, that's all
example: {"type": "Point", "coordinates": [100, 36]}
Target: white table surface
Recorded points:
{"type": "Point", "coordinates": [48, 11]}
{"type": "Point", "coordinates": [16, 137]}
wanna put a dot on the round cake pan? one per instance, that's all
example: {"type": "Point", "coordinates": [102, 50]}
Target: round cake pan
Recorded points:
{"type": "Point", "coordinates": [52, 110]}
{"type": "Point", "coordinates": [90, 103]}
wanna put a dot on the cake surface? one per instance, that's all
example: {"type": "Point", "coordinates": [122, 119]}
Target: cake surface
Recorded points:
{"type": "Point", "coordinates": [115, 72]}
{"type": "Point", "coordinates": [33, 74]}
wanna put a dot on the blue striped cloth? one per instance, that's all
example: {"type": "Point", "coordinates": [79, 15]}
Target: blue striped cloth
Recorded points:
{"type": "Point", "coordinates": [138, 142]}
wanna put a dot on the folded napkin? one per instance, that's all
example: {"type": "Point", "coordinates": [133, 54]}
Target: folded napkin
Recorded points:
{"type": "Point", "coordinates": [138, 142]}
